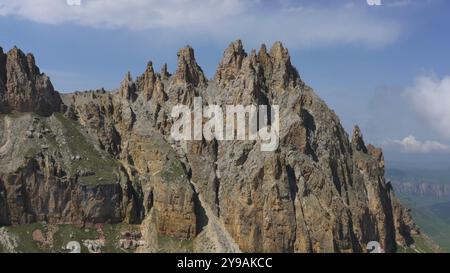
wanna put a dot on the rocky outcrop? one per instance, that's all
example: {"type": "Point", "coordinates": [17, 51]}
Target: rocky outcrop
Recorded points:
{"type": "Point", "coordinates": [42, 181]}
{"type": "Point", "coordinates": [2, 80]}
{"type": "Point", "coordinates": [384, 211]}
{"type": "Point", "coordinates": [318, 192]}
{"type": "Point", "coordinates": [22, 86]}
{"type": "Point", "coordinates": [278, 70]}
{"type": "Point", "coordinates": [159, 179]}
{"type": "Point", "coordinates": [188, 71]}
{"type": "Point", "coordinates": [329, 194]}
{"type": "Point", "coordinates": [36, 195]}
{"type": "Point", "coordinates": [405, 226]}
{"type": "Point", "coordinates": [150, 84]}
{"type": "Point", "coordinates": [4, 214]}
{"type": "Point", "coordinates": [128, 88]}
{"type": "Point", "coordinates": [231, 62]}
{"type": "Point", "coordinates": [165, 75]}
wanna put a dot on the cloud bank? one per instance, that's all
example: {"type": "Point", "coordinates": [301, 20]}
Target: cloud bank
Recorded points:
{"type": "Point", "coordinates": [430, 97]}
{"type": "Point", "coordinates": [411, 145]}
{"type": "Point", "coordinates": [257, 20]}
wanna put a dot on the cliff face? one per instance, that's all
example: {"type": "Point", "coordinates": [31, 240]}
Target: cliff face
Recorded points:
{"type": "Point", "coordinates": [22, 86]}
{"type": "Point", "coordinates": [109, 158]}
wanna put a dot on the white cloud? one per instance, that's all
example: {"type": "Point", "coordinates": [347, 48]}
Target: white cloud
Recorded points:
{"type": "Point", "coordinates": [298, 26]}
{"type": "Point", "coordinates": [399, 3]}
{"type": "Point", "coordinates": [411, 145]}
{"type": "Point", "coordinates": [135, 14]}
{"type": "Point", "coordinates": [430, 97]}
{"type": "Point", "coordinates": [374, 2]}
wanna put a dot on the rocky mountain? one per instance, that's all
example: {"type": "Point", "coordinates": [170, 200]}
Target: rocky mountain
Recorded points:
{"type": "Point", "coordinates": [107, 157]}
{"type": "Point", "coordinates": [22, 86]}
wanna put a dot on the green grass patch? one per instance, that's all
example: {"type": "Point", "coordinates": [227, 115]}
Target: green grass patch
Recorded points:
{"type": "Point", "coordinates": [168, 244]}
{"type": "Point", "coordinates": [24, 235]}
{"type": "Point", "coordinates": [103, 164]}
{"type": "Point", "coordinates": [435, 226]}
{"type": "Point", "coordinates": [113, 235]}
{"type": "Point", "coordinates": [173, 171]}
{"type": "Point", "coordinates": [67, 233]}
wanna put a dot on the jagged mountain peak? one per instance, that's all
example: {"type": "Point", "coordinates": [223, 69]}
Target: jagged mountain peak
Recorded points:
{"type": "Point", "coordinates": [188, 71]}
{"type": "Point", "coordinates": [149, 75]}
{"type": "Point", "coordinates": [24, 88]}
{"type": "Point", "coordinates": [25, 61]}
{"type": "Point", "coordinates": [318, 192]}
{"type": "Point", "coordinates": [358, 140]}
{"type": "Point", "coordinates": [127, 88]}
{"type": "Point", "coordinates": [275, 66]}
{"type": "Point", "coordinates": [262, 49]}
{"type": "Point", "coordinates": [127, 79]}
{"type": "Point", "coordinates": [150, 84]}
{"type": "Point", "coordinates": [283, 73]}
{"type": "Point", "coordinates": [231, 63]}
{"type": "Point", "coordinates": [279, 52]}
{"type": "Point", "coordinates": [149, 69]}
{"type": "Point", "coordinates": [165, 75]}
{"type": "Point", "coordinates": [2, 69]}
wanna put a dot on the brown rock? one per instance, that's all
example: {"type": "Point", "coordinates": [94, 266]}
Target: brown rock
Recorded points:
{"type": "Point", "coordinates": [146, 83]}
{"type": "Point", "coordinates": [165, 75]}
{"type": "Point", "coordinates": [284, 74]}
{"type": "Point", "coordinates": [231, 63]}
{"type": "Point", "coordinates": [128, 88]}
{"type": "Point", "coordinates": [23, 88]}
{"type": "Point", "coordinates": [318, 192]}
{"type": "Point", "coordinates": [2, 70]}
{"type": "Point", "coordinates": [149, 85]}
{"type": "Point", "coordinates": [188, 71]}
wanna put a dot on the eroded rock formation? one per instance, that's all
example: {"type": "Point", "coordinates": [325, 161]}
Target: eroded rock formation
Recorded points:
{"type": "Point", "coordinates": [110, 158]}
{"type": "Point", "coordinates": [23, 87]}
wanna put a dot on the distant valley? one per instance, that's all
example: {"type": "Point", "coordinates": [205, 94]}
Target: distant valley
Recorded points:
{"type": "Point", "coordinates": [427, 194]}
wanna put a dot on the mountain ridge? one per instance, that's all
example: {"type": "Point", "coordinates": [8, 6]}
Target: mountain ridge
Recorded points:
{"type": "Point", "coordinates": [106, 157]}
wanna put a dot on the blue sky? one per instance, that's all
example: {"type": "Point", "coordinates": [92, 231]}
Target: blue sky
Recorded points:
{"type": "Point", "coordinates": [384, 67]}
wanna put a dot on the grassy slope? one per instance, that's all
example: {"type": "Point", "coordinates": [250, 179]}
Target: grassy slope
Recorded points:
{"type": "Point", "coordinates": [430, 213]}
{"type": "Point", "coordinates": [422, 244]}
{"type": "Point", "coordinates": [68, 139]}
{"type": "Point", "coordinates": [65, 234]}
{"type": "Point", "coordinates": [436, 225]}
{"type": "Point", "coordinates": [103, 164]}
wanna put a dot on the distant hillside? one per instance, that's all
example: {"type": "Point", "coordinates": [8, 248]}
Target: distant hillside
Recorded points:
{"type": "Point", "coordinates": [433, 217]}
{"type": "Point", "coordinates": [427, 194]}
{"type": "Point", "coordinates": [432, 190]}
{"type": "Point", "coordinates": [416, 175]}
